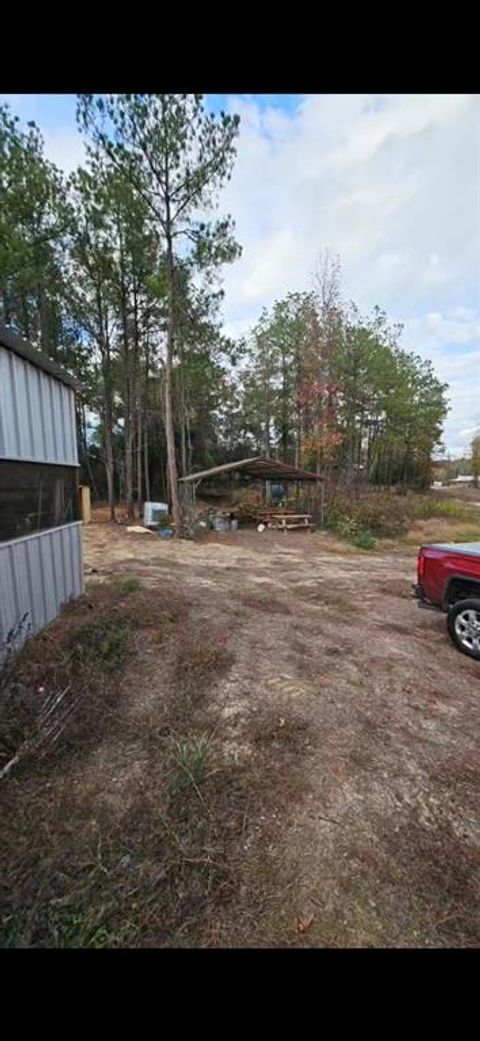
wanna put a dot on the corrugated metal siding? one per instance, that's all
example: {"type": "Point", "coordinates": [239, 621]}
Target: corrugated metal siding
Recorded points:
{"type": "Point", "coordinates": [37, 414]}
{"type": "Point", "coordinates": [38, 575]}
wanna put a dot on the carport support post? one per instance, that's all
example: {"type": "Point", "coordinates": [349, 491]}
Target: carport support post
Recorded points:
{"type": "Point", "coordinates": [322, 503]}
{"type": "Point", "coordinates": [195, 485]}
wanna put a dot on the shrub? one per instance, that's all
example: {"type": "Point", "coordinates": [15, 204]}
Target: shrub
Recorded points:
{"type": "Point", "coordinates": [364, 540]}
{"type": "Point", "coordinates": [381, 514]}
{"type": "Point", "coordinates": [386, 514]}
{"type": "Point", "coordinates": [347, 527]}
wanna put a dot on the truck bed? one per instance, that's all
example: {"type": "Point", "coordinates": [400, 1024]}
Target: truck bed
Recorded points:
{"type": "Point", "coordinates": [472, 549]}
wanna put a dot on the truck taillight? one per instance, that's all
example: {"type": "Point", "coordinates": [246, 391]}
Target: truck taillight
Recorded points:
{"type": "Point", "coordinates": [420, 565]}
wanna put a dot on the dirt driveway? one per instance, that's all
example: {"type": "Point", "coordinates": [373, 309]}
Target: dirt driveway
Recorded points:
{"type": "Point", "coordinates": [361, 702]}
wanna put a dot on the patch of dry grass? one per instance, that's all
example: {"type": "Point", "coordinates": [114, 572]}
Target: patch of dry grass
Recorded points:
{"type": "Point", "coordinates": [444, 882]}
{"type": "Point", "coordinates": [398, 587]}
{"type": "Point", "coordinates": [68, 676]}
{"type": "Point", "coordinates": [268, 603]}
{"type": "Point", "coordinates": [184, 856]}
{"type": "Point", "coordinates": [199, 802]}
{"type": "Point", "coordinates": [325, 594]}
{"type": "Point", "coordinates": [277, 733]}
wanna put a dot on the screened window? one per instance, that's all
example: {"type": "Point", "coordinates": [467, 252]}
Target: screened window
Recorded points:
{"type": "Point", "coordinates": [36, 496]}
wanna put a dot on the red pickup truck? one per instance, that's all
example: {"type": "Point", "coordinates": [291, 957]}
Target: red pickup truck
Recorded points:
{"type": "Point", "coordinates": [448, 578]}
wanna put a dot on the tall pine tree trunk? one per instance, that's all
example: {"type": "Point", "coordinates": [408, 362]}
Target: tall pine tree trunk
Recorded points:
{"type": "Point", "coordinates": [129, 428]}
{"type": "Point", "coordinates": [6, 306]}
{"type": "Point", "coordinates": [189, 441]}
{"type": "Point", "coordinates": [136, 405]}
{"type": "Point", "coordinates": [145, 427]}
{"type": "Point", "coordinates": [139, 461]}
{"type": "Point", "coordinates": [183, 445]}
{"type": "Point", "coordinates": [86, 454]}
{"type": "Point", "coordinates": [25, 318]}
{"type": "Point", "coordinates": [145, 460]}
{"type": "Point", "coordinates": [129, 434]}
{"type": "Point", "coordinates": [285, 423]}
{"type": "Point", "coordinates": [106, 366]}
{"type": "Point", "coordinates": [107, 423]}
{"type": "Point", "coordinates": [169, 427]}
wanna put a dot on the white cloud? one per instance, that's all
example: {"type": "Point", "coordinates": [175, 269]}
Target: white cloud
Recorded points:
{"type": "Point", "coordinates": [435, 330]}
{"type": "Point", "coordinates": [65, 148]}
{"type": "Point", "coordinates": [403, 117]}
{"type": "Point", "coordinates": [389, 182]}
{"type": "Point", "coordinates": [469, 433]}
{"type": "Point", "coordinates": [270, 268]}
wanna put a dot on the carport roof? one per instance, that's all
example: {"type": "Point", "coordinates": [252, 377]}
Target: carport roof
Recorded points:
{"type": "Point", "coordinates": [258, 467]}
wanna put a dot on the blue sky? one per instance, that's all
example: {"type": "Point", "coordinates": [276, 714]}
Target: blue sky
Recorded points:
{"type": "Point", "coordinates": [391, 182]}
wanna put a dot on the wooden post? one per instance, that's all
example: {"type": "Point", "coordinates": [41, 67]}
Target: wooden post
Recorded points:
{"type": "Point", "coordinates": [85, 509]}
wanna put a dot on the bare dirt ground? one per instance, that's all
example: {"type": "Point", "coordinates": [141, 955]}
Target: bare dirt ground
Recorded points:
{"type": "Point", "coordinates": [381, 712]}
{"type": "Point", "coordinates": [339, 805]}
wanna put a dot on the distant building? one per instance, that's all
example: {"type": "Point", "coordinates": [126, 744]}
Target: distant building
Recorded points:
{"type": "Point", "coordinates": [40, 529]}
{"type": "Point", "coordinates": [462, 479]}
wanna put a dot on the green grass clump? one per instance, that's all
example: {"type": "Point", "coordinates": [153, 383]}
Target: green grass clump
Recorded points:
{"type": "Point", "coordinates": [190, 757]}
{"type": "Point", "coordinates": [130, 584]}
{"type": "Point", "coordinates": [104, 642]}
{"type": "Point", "coordinates": [364, 540]}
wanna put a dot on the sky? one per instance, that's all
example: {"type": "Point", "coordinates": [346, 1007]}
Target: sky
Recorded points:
{"type": "Point", "coordinates": [391, 182]}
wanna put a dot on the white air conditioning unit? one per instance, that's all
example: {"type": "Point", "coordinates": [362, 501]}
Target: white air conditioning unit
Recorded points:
{"type": "Point", "coordinates": [153, 513]}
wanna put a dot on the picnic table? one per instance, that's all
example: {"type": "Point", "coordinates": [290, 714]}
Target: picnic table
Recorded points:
{"type": "Point", "coordinates": [282, 521]}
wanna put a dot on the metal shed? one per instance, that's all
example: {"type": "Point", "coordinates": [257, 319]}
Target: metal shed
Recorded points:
{"type": "Point", "coordinates": [41, 566]}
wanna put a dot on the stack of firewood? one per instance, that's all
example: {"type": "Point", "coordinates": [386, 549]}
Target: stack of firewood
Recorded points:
{"type": "Point", "coordinates": [246, 502]}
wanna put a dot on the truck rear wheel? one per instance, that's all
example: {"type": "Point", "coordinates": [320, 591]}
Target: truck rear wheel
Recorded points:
{"type": "Point", "coordinates": [463, 624]}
